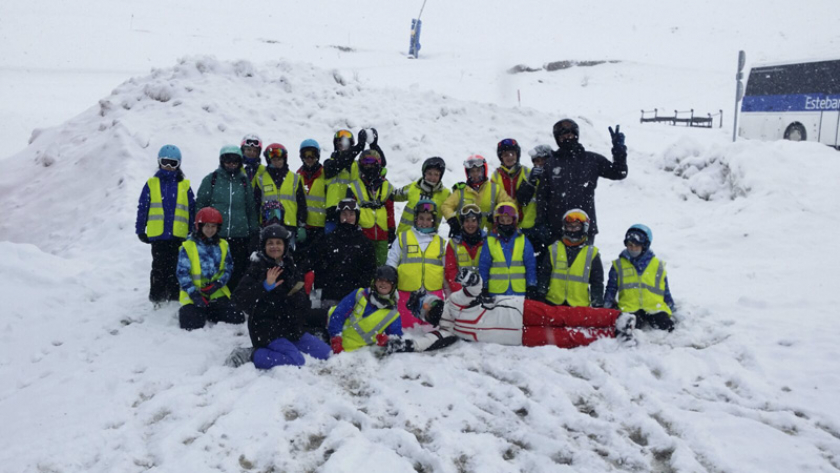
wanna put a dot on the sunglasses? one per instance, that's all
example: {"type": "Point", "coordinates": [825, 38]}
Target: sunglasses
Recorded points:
{"type": "Point", "coordinates": [169, 163]}
{"type": "Point", "coordinates": [252, 143]}
{"type": "Point", "coordinates": [473, 163]}
{"type": "Point", "coordinates": [231, 159]}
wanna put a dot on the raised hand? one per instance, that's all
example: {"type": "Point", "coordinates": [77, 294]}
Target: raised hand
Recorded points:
{"type": "Point", "coordinates": [272, 274]}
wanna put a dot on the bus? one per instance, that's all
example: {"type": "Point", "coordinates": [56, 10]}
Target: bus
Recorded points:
{"type": "Point", "coordinates": [793, 101]}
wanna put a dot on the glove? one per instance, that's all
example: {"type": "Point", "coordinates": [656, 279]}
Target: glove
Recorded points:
{"type": "Point", "coordinates": [208, 290]}
{"type": "Point", "coordinates": [143, 237]}
{"type": "Point", "coordinates": [301, 234]}
{"type": "Point", "coordinates": [454, 227]}
{"type": "Point", "coordinates": [435, 312]}
{"type": "Point", "coordinates": [415, 299]}
{"type": "Point", "coordinates": [468, 277]}
{"type": "Point", "coordinates": [617, 140]}
{"type": "Point", "coordinates": [198, 299]}
{"type": "Point", "coordinates": [458, 186]}
{"type": "Point", "coordinates": [398, 345]}
{"type": "Point", "coordinates": [381, 339]}
{"type": "Point", "coordinates": [375, 137]}
{"type": "Point", "coordinates": [392, 235]}
{"type": "Point", "coordinates": [532, 293]}
{"type": "Point", "coordinates": [536, 174]}
{"type": "Point", "coordinates": [336, 345]}
{"type": "Point", "coordinates": [361, 137]}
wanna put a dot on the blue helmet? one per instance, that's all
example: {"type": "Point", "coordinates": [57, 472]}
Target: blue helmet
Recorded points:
{"type": "Point", "coordinates": [170, 152]}
{"type": "Point", "coordinates": [310, 143]}
{"type": "Point", "coordinates": [639, 234]}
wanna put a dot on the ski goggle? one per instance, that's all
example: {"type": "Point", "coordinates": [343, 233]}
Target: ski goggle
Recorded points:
{"type": "Point", "coordinates": [507, 210]}
{"type": "Point", "coordinates": [636, 238]}
{"type": "Point", "coordinates": [347, 205]}
{"type": "Point", "coordinates": [276, 153]}
{"type": "Point", "coordinates": [564, 130]}
{"type": "Point", "coordinates": [341, 134]}
{"type": "Point", "coordinates": [368, 160]}
{"type": "Point", "coordinates": [576, 217]}
{"type": "Point", "coordinates": [425, 207]}
{"type": "Point", "coordinates": [170, 163]}
{"type": "Point", "coordinates": [231, 158]}
{"type": "Point", "coordinates": [473, 163]}
{"type": "Point", "coordinates": [471, 210]}
{"type": "Point", "coordinates": [309, 154]}
{"type": "Point", "coordinates": [251, 143]}
{"type": "Point", "coordinates": [276, 212]}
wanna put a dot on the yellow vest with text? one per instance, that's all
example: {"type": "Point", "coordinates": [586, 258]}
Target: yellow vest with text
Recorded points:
{"type": "Point", "coordinates": [199, 280]}
{"type": "Point", "coordinates": [502, 276]}
{"type": "Point", "coordinates": [528, 216]}
{"type": "Point", "coordinates": [645, 293]}
{"type": "Point", "coordinates": [337, 185]}
{"type": "Point", "coordinates": [360, 331]}
{"type": "Point", "coordinates": [570, 284]}
{"type": "Point", "coordinates": [370, 217]}
{"type": "Point", "coordinates": [316, 201]}
{"type": "Point", "coordinates": [154, 220]}
{"type": "Point", "coordinates": [414, 195]}
{"type": "Point", "coordinates": [286, 194]}
{"type": "Point", "coordinates": [417, 268]}
{"type": "Point", "coordinates": [462, 255]}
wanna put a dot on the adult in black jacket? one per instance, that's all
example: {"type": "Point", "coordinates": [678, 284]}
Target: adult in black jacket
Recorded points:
{"type": "Point", "coordinates": [344, 260]}
{"type": "Point", "coordinates": [272, 294]}
{"type": "Point", "coordinates": [571, 176]}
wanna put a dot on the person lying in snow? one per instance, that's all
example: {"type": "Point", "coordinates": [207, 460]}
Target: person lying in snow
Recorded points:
{"type": "Point", "coordinates": [515, 320]}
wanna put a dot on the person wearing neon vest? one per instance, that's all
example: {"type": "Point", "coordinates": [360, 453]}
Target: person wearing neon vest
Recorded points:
{"type": "Point", "coordinates": [477, 190]}
{"type": "Point", "coordinates": [375, 197]}
{"type": "Point", "coordinates": [277, 182]}
{"type": "Point", "coordinates": [272, 295]}
{"type": "Point", "coordinates": [314, 187]}
{"type": "Point", "coordinates": [518, 321]}
{"type": "Point", "coordinates": [512, 176]}
{"type": "Point", "coordinates": [507, 260]}
{"type": "Point", "coordinates": [204, 268]}
{"type": "Point", "coordinates": [572, 273]}
{"type": "Point", "coordinates": [429, 187]}
{"type": "Point", "coordinates": [418, 257]}
{"type": "Point", "coordinates": [165, 214]}
{"type": "Point", "coordinates": [463, 249]}
{"type": "Point", "coordinates": [638, 282]}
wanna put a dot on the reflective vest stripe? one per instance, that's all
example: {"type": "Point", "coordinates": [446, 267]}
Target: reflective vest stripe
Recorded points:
{"type": "Point", "coordinates": [155, 219]}
{"type": "Point", "coordinates": [316, 200]}
{"type": "Point", "coordinates": [370, 217]}
{"type": "Point", "coordinates": [196, 274]}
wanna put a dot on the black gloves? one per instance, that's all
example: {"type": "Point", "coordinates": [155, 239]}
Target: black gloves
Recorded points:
{"type": "Point", "coordinates": [435, 312]}
{"type": "Point", "coordinates": [398, 345]}
{"type": "Point", "coordinates": [375, 137]}
{"type": "Point", "coordinates": [454, 227]}
{"type": "Point", "coordinates": [617, 141]}
{"type": "Point", "coordinates": [415, 299]}
{"type": "Point", "coordinates": [535, 176]}
{"type": "Point", "coordinates": [361, 138]}
{"type": "Point", "coordinates": [467, 277]}
{"type": "Point", "coordinates": [198, 299]}
{"type": "Point", "coordinates": [392, 235]}
{"type": "Point", "coordinates": [143, 237]}
{"type": "Point", "coordinates": [532, 293]}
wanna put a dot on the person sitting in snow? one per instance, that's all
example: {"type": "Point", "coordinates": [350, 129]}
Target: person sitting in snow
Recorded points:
{"type": "Point", "coordinates": [638, 282]}
{"type": "Point", "coordinates": [429, 187]}
{"type": "Point", "coordinates": [204, 268]}
{"type": "Point", "coordinates": [418, 258]}
{"type": "Point", "coordinates": [165, 214]}
{"type": "Point", "coordinates": [272, 294]}
{"type": "Point", "coordinates": [515, 320]}
{"type": "Point", "coordinates": [464, 249]}
{"type": "Point", "coordinates": [507, 259]}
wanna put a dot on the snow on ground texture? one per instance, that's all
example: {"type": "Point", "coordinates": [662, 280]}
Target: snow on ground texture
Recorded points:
{"type": "Point", "coordinates": [95, 380]}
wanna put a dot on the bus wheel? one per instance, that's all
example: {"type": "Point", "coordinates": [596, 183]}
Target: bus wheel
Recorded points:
{"type": "Point", "coordinates": [795, 132]}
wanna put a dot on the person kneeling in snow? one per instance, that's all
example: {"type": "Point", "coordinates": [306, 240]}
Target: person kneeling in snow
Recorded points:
{"type": "Point", "coordinates": [271, 292]}
{"type": "Point", "coordinates": [515, 320]}
{"type": "Point", "coordinates": [204, 269]}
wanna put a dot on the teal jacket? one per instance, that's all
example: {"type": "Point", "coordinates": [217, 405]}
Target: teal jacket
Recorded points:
{"type": "Point", "coordinates": [232, 195]}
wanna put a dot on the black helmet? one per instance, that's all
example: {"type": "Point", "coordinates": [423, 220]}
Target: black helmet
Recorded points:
{"type": "Point", "coordinates": [341, 135]}
{"type": "Point", "coordinates": [435, 162]}
{"type": "Point", "coordinates": [349, 203]}
{"type": "Point", "coordinates": [275, 231]}
{"type": "Point", "coordinates": [387, 273]}
{"type": "Point", "coordinates": [508, 144]}
{"type": "Point", "coordinates": [564, 126]}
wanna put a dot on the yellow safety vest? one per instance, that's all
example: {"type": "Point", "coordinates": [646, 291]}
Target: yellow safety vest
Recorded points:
{"type": "Point", "coordinates": [463, 255]}
{"type": "Point", "coordinates": [260, 169]}
{"type": "Point", "coordinates": [198, 278]}
{"type": "Point", "coordinates": [646, 293]}
{"type": "Point", "coordinates": [529, 212]}
{"type": "Point", "coordinates": [370, 217]}
{"type": "Point", "coordinates": [416, 268]}
{"type": "Point", "coordinates": [415, 194]}
{"type": "Point", "coordinates": [570, 284]}
{"type": "Point", "coordinates": [316, 212]}
{"type": "Point", "coordinates": [360, 331]}
{"type": "Point", "coordinates": [503, 276]}
{"type": "Point", "coordinates": [154, 220]}
{"type": "Point", "coordinates": [337, 185]}
{"type": "Point", "coordinates": [485, 200]}
{"type": "Point", "coordinates": [286, 194]}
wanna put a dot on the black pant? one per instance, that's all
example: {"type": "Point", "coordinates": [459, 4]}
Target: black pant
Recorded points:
{"type": "Point", "coordinates": [240, 252]}
{"type": "Point", "coordinates": [218, 310]}
{"type": "Point", "coordinates": [164, 285]}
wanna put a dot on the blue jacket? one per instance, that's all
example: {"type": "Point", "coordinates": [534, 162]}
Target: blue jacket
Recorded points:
{"type": "Point", "coordinates": [169, 192]}
{"type": "Point", "coordinates": [345, 308]}
{"type": "Point", "coordinates": [210, 255]}
{"type": "Point", "coordinates": [640, 263]}
{"type": "Point", "coordinates": [485, 261]}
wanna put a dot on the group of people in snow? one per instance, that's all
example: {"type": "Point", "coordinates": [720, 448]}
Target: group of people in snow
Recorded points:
{"type": "Point", "coordinates": [317, 263]}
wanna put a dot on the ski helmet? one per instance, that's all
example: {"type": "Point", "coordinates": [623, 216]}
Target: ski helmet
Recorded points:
{"type": "Point", "coordinates": [230, 153]}
{"type": "Point", "coordinates": [275, 231]}
{"type": "Point", "coordinates": [434, 163]}
{"type": "Point", "coordinates": [575, 237]}
{"type": "Point", "coordinates": [349, 204]}
{"type": "Point", "coordinates": [370, 165]}
{"type": "Point", "coordinates": [272, 212]}
{"type": "Point", "coordinates": [640, 235]}
{"type": "Point", "coordinates": [170, 152]}
{"type": "Point", "coordinates": [505, 208]}
{"type": "Point", "coordinates": [310, 143]}
{"type": "Point", "coordinates": [565, 126]}
{"type": "Point", "coordinates": [425, 205]}
{"type": "Point", "coordinates": [387, 273]}
{"type": "Point", "coordinates": [540, 152]}
{"type": "Point", "coordinates": [475, 161]}
{"type": "Point", "coordinates": [276, 150]}
{"type": "Point", "coordinates": [207, 215]}
{"type": "Point", "coordinates": [251, 141]}
{"type": "Point", "coordinates": [340, 136]}
{"type": "Point", "coordinates": [508, 144]}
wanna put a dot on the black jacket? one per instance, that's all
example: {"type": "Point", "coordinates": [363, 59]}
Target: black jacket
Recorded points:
{"type": "Point", "coordinates": [274, 314]}
{"type": "Point", "coordinates": [569, 182]}
{"type": "Point", "coordinates": [596, 275]}
{"type": "Point", "coordinates": [344, 261]}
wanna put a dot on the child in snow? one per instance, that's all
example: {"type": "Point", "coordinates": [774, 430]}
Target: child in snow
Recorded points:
{"type": "Point", "coordinates": [515, 320]}
{"type": "Point", "coordinates": [464, 249]}
{"type": "Point", "coordinates": [204, 269]}
{"type": "Point", "coordinates": [375, 197]}
{"type": "Point", "coordinates": [477, 190]}
{"type": "Point", "coordinates": [638, 282]}
{"type": "Point", "coordinates": [418, 257]}
{"type": "Point", "coordinates": [507, 259]}
{"type": "Point", "coordinates": [429, 187]}
{"type": "Point", "coordinates": [165, 214]}
{"type": "Point", "coordinates": [271, 292]}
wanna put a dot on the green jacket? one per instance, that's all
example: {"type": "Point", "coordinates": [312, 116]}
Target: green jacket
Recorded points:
{"type": "Point", "coordinates": [232, 195]}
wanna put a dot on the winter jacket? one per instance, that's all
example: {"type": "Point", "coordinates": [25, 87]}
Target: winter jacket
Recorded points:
{"type": "Point", "coordinates": [485, 261]}
{"type": "Point", "coordinates": [451, 266]}
{"type": "Point", "coordinates": [343, 261]}
{"type": "Point", "coordinates": [169, 193]}
{"type": "Point", "coordinates": [344, 309]}
{"type": "Point", "coordinates": [596, 275]}
{"type": "Point", "coordinates": [569, 182]}
{"type": "Point", "coordinates": [273, 311]}
{"type": "Point", "coordinates": [517, 186]}
{"type": "Point", "coordinates": [415, 192]}
{"type": "Point", "coordinates": [233, 197]}
{"type": "Point", "coordinates": [484, 197]}
{"type": "Point", "coordinates": [210, 256]}
{"type": "Point", "coordinates": [376, 232]}
{"type": "Point", "coordinates": [640, 263]}
{"type": "Point", "coordinates": [278, 175]}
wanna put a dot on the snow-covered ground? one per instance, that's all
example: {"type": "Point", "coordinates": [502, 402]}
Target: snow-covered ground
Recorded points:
{"type": "Point", "coordinates": [92, 379]}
